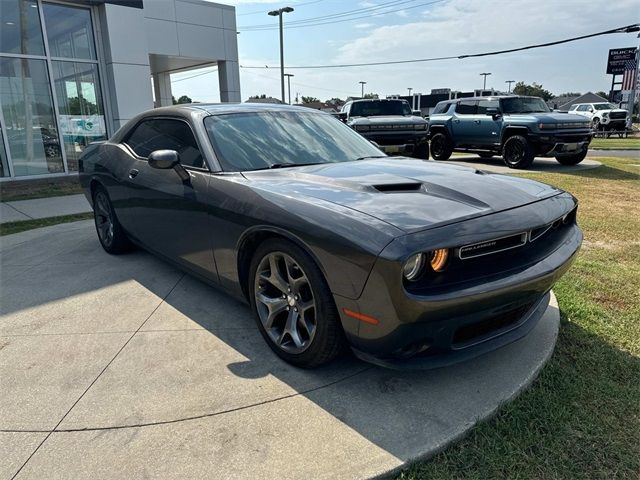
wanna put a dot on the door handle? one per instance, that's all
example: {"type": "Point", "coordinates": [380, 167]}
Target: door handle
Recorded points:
{"type": "Point", "coordinates": [133, 173]}
{"type": "Point", "coordinates": [477, 121]}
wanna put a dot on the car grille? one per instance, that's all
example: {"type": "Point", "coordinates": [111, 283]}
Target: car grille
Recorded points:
{"type": "Point", "coordinates": [617, 115]}
{"type": "Point", "coordinates": [492, 246]}
{"type": "Point", "coordinates": [484, 328]}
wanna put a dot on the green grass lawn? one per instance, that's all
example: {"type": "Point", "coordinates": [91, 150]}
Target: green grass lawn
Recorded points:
{"type": "Point", "coordinates": [581, 418]}
{"type": "Point", "coordinates": [616, 143]}
{"type": "Point", "coordinates": [24, 225]}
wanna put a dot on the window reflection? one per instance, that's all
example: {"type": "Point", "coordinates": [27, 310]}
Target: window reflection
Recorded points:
{"type": "Point", "coordinates": [80, 109]}
{"type": "Point", "coordinates": [30, 123]}
{"type": "Point", "coordinates": [4, 166]}
{"type": "Point", "coordinates": [69, 31]}
{"type": "Point", "coordinates": [20, 27]}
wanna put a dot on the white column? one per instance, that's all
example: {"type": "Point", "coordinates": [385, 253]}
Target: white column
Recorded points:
{"type": "Point", "coordinates": [162, 89]}
{"type": "Point", "coordinates": [229, 78]}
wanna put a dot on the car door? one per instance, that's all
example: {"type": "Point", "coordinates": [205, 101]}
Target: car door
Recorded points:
{"type": "Point", "coordinates": [168, 214]}
{"type": "Point", "coordinates": [487, 130]}
{"type": "Point", "coordinates": [463, 122]}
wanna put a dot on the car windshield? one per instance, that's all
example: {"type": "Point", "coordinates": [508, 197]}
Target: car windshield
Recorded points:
{"type": "Point", "coordinates": [604, 106]}
{"type": "Point", "coordinates": [376, 108]}
{"type": "Point", "coordinates": [260, 140]}
{"type": "Point", "coordinates": [524, 105]}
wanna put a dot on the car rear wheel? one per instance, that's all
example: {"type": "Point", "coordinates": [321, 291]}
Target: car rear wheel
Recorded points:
{"type": "Point", "coordinates": [485, 155]}
{"type": "Point", "coordinates": [110, 233]}
{"type": "Point", "coordinates": [572, 159]}
{"type": "Point", "coordinates": [517, 152]}
{"type": "Point", "coordinates": [293, 305]}
{"type": "Point", "coordinates": [441, 148]}
{"type": "Point", "coordinates": [595, 124]}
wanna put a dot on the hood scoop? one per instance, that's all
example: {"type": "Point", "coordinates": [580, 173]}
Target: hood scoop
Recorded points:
{"type": "Point", "coordinates": [399, 187]}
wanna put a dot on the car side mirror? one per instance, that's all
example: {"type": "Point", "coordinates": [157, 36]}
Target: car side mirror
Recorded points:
{"type": "Point", "coordinates": [493, 112]}
{"type": "Point", "coordinates": [342, 116]}
{"type": "Point", "coordinates": [163, 159]}
{"type": "Point", "coordinates": [168, 159]}
{"type": "Point", "coordinates": [591, 110]}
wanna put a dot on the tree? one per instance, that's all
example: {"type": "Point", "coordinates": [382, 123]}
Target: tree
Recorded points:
{"type": "Point", "coordinates": [372, 96]}
{"type": "Point", "coordinates": [309, 99]}
{"type": "Point", "coordinates": [570, 94]}
{"type": "Point", "coordinates": [335, 101]}
{"type": "Point", "coordinates": [603, 94]}
{"type": "Point", "coordinates": [256, 97]}
{"type": "Point", "coordinates": [182, 99]}
{"type": "Point", "coordinates": [534, 90]}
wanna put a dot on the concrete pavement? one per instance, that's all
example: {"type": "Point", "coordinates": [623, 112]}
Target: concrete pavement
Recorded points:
{"type": "Point", "coordinates": [43, 208]}
{"type": "Point", "coordinates": [123, 367]}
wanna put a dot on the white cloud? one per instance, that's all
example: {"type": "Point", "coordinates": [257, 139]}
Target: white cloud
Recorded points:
{"type": "Point", "coordinates": [363, 25]}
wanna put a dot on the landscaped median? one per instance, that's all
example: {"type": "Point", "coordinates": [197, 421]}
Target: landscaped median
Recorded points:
{"type": "Point", "coordinates": [17, 227]}
{"type": "Point", "coordinates": [631, 143]}
{"type": "Point", "coordinates": [581, 418]}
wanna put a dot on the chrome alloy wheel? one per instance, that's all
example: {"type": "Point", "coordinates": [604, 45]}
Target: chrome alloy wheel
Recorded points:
{"type": "Point", "coordinates": [103, 218]}
{"type": "Point", "coordinates": [285, 302]}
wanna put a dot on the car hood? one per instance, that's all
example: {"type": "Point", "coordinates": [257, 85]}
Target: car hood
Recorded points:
{"type": "Point", "coordinates": [551, 117]}
{"type": "Point", "coordinates": [409, 194]}
{"type": "Point", "coordinates": [387, 119]}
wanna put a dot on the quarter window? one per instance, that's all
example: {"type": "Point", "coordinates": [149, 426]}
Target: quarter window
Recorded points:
{"type": "Point", "coordinates": [166, 134]}
{"type": "Point", "coordinates": [441, 108]}
{"type": "Point", "coordinates": [466, 107]}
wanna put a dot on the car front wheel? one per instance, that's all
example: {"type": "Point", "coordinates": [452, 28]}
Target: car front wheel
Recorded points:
{"type": "Point", "coordinates": [441, 148]}
{"type": "Point", "coordinates": [572, 159]}
{"type": "Point", "coordinates": [293, 305]}
{"type": "Point", "coordinates": [517, 152]}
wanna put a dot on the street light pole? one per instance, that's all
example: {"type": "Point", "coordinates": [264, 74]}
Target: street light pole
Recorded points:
{"type": "Point", "coordinates": [278, 13]}
{"type": "Point", "coordinates": [509, 82]}
{"type": "Point", "coordinates": [485, 75]}
{"type": "Point", "coordinates": [409, 88]}
{"type": "Point", "coordinates": [289, 75]}
{"type": "Point", "coordinates": [362, 84]}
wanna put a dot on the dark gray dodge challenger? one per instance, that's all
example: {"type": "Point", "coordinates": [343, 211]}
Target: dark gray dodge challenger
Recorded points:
{"type": "Point", "coordinates": [410, 263]}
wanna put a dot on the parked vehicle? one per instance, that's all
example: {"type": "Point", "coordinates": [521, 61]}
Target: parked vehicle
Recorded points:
{"type": "Point", "coordinates": [331, 242]}
{"type": "Point", "coordinates": [390, 123]}
{"type": "Point", "coordinates": [603, 115]}
{"type": "Point", "coordinates": [518, 128]}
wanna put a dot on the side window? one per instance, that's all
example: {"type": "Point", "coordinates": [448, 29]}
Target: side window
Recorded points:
{"type": "Point", "coordinates": [583, 108]}
{"type": "Point", "coordinates": [441, 108]}
{"type": "Point", "coordinates": [484, 104]}
{"type": "Point", "coordinates": [166, 134]}
{"type": "Point", "coordinates": [466, 107]}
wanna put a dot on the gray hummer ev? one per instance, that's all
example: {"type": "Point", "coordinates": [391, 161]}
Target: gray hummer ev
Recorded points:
{"type": "Point", "coordinates": [518, 128]}
{"type": "Point", "coordinates": [390, 123]}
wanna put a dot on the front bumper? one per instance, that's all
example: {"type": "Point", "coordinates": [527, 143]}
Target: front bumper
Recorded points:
{"type": "Point", "coordinates": [561, 143]}
{"type": "Point", "coordinates": [449, 325]}
{"type": "Point", "coordinates": [404, 142]}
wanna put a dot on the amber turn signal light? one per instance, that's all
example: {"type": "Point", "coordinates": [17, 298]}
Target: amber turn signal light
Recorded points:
{"type": "Point", "coordinates": [438, 259]}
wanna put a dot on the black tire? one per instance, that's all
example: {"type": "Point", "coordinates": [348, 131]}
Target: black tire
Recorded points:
{"type": "Point", "coordinates": [595, 124]}
{"type": "Point", "coordinates": [112, 236]}
{"type": "Point", "coordinates": [572, 159]}
{"type": "Point", "coordinates": [517, 152]}
{"type": "Point", "coordinates": [422, 151]}
{"type": "Point", "coordinates": [486, 155]}
{"type": "Point", "coordinates": [328, 339]}
{"type": "Point", "coordinates": [441, 147]}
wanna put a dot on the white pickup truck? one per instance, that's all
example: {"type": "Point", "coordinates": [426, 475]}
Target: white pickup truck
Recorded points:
{"type": "Point", "coordinates": [603, 116]}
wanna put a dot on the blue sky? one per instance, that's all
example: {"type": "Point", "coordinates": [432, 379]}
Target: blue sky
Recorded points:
{"type": "Point", "coordinates": [419, 29]}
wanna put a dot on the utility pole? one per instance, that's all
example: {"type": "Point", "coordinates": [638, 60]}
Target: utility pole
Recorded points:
{"type": "Point", "coordinates": [362, 84]}
{"type": "Point", "coordinates": [485, 75]}
{"type": "Point", "coordinates": [278, 13]}
{"type": "Point", "coordinates": [289, 75]}
{"type": "Point", "coordinates": [509, 82]}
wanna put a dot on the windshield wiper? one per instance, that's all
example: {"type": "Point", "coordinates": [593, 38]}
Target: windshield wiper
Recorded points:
{"type": "Point", "coordinates": [370, 156]}
{"type": "Point", "coordinates": [287, 165]}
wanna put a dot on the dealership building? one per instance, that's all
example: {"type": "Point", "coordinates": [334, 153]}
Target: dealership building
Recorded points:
{"type": "Point", "coordinates": [72, 72]}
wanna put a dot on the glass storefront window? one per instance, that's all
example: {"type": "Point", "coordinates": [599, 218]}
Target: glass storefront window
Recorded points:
{"type": "Point", "coordinates": [29, 120]}
{"type": "Point", "coordinates": [4, 165]}
{"type": "Point", "coordinates": [20, 27]}
{"type": "Point", "coordinates": [69, 31]}
{"type": "Point", "coordinates": [81, 115]}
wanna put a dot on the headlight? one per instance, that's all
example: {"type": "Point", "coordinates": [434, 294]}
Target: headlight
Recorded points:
{"type": "Point", "coordinates": [362, 128]}
{"type": "Point", "coordinates": [438, 259]}
{"type": "Point", "coordinates": [420, 127]}
{"type": "Point", "coordinates": [546, 126]}
{"type": "Point", "coordinates": [605, 114]}
{"type": "Point", "coordinates": [413, 267]}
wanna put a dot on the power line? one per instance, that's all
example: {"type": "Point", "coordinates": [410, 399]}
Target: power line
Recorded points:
{"type": "Point", "coordinates": [627, 29]}
{"type": "Point", "coordinates": [301, 84]}
{"type": "Point", "coordinates": [322, 20]}
{"type": "Point", "coordinates": [193, 76]}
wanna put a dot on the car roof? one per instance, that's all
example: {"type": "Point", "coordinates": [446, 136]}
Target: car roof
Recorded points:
{"type": "Point", "coordinates": [222, 108]}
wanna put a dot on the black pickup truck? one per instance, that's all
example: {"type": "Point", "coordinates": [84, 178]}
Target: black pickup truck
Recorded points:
{"type": "Point", "coordinates": [390, 123]}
